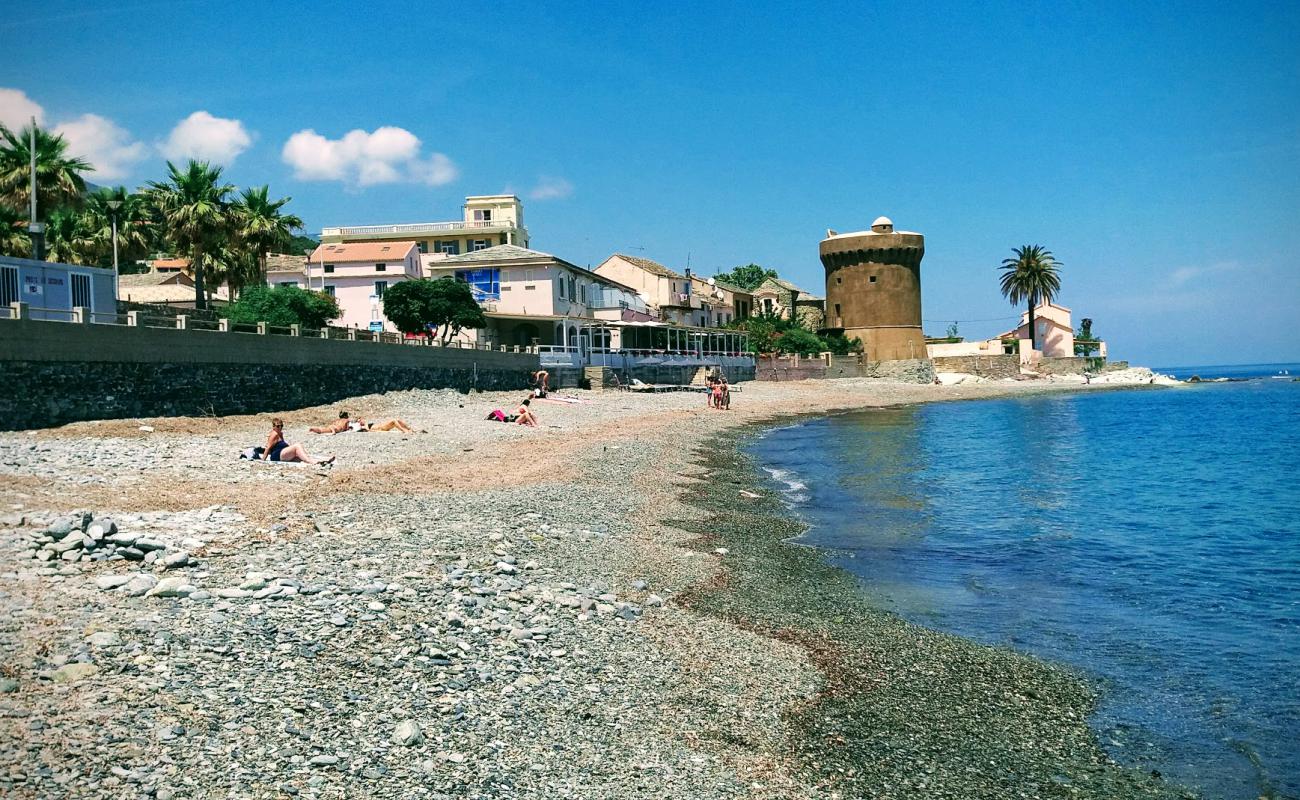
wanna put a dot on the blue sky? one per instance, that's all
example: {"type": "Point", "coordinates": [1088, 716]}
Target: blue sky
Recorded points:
{"type": "Point", "coordinates": [1155, 149]}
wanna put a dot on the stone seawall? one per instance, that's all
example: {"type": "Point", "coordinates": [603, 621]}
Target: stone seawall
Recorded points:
{"type": "Point", "coordinates": [1076, 365]}
{"type": "Point", "coordinates": [52, 373]}
{"type": "Point", "coordinates": [1004, 366]}
{"type": "Point", "coordinates": [914, 370]}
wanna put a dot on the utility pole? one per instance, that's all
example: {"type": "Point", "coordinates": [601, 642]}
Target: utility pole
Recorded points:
{"type": "Point", "coordinates": [36, 230]}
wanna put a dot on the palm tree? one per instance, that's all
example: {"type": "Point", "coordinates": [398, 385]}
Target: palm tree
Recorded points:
{"type": "Point", "coordinates": [262, 228]}
{"type": "Point", "coordinates": [14, 240]}
{"type": "Point", "coordinates": [68, 238]}
{"type": "Point", "coordinates": [194, 207]}
{"type": "Point", "coordinates": [133, 225]}
{"type": "Point", "coordinates": [1032, 275]}
{"type": "Point", "coordinates": [59, 182]}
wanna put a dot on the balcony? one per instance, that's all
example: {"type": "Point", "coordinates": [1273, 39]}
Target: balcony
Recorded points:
{"type": "Point", "coordinates": [421, 228]}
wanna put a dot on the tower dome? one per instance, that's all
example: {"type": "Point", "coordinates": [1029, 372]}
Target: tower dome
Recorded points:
{"type": "Point", "coordinates": [883, 225]}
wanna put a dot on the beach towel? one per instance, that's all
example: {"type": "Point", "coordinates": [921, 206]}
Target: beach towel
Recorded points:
{"type": "Point", "coordinates": [497, 415]}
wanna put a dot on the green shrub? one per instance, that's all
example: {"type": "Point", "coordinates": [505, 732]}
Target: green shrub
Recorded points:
{"type": "Point", "coordinates": [283, 306]}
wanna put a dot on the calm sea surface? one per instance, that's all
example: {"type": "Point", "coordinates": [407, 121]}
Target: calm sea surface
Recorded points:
{"type": "Point", "coordinates": [1150, 538]}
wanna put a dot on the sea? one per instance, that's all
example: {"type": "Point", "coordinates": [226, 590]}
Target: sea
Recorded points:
{"type": "Point", "coordinates": [1149, 538]}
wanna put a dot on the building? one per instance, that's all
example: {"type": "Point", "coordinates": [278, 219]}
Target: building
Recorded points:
{"type": "Point", "coordinates": [356, 275]}
{"type": "Point", "coordinates": [535, 298]}
{"type": "Point", "coordinates": [873, 289]}
{"type": "Point", "coordinates": [671, 296]}
{"type": "Point", "coordinates": [173, 288]}
{"type": "Point", "coordinates": [169, 265]}
{"type": "Point", "coordinates": [740, 300]}
{"type": "Point", "coordinates": [1053, 331]}
{"type": "Point", "coordinates": [783, 298]}
{"type": "Point", "coordinates": [486, 221]}
{"type": "Point", "coordinates": [52, 290]}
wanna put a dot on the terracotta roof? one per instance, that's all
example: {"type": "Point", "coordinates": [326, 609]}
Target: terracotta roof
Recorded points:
{"type": "Point", "coordinates": [362, 251]}
{"type": "Point", "coordinates": [154, 279]}
{"type": "Point", "coordinates": [165, 293]}
{"type": "Point", "coordinates": [500, 252]}
{"type": "Point", "coordinates": [281, 262]}
{"type": "Point", "coordinates": [653, 267]}
{"type": "Point", "coordinates": [170, 263]}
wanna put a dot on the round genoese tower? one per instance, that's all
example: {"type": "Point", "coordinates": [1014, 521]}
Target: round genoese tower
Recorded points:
{"type": "Point", "coordinates": [873, 289]}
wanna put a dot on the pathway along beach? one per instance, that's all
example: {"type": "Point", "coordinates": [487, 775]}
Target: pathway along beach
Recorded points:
{"type": "Point", "coordinates": [592, 609]}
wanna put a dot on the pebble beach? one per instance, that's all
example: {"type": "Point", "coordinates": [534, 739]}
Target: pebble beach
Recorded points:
{"type": "Point", "coordinates": [600, 607]}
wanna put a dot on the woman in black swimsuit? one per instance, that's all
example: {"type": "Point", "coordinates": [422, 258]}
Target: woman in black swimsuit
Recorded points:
{"type": "Point", "coordinates": [277, 449]}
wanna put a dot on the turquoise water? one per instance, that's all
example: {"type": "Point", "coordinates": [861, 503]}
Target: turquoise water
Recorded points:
{"type": "Point", "coordinates": [1151, 538]}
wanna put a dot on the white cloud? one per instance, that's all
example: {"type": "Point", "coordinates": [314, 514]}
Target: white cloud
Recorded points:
{"type": "Point", "coordinates": [100, 141]}
{"type": "Point", "coordinates": [550, 188]}
{"type": "Point", "coordinates": [17, 109]}
{"type": "Point", "coordinates": [387, 155]}
{"type": "Point", "coordinates": [204, 137]}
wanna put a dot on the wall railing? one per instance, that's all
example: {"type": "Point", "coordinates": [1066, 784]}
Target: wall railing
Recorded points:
{"type": "Point", "coordinates": [136, 319]}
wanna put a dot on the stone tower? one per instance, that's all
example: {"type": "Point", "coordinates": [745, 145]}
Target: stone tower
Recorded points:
{"type": "Point", "coordinates": [873, 289]}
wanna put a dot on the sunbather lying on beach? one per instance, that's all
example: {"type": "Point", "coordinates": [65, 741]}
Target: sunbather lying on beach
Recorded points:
{"type": "Point", "coordinates": [388, 425]}
{"type": "Point", "coordinates": [277, 449]}
{"type": "Point", "coordinates": [337, 426]}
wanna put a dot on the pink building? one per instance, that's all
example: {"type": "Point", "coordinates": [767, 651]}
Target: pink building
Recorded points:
{"type": "Point", "coordinates": [357, 275]}
{"type": "Point", "coordinates": [1053, 333]}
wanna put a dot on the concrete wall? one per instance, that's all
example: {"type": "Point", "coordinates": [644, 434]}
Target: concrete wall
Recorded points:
{"type": "Point", "coordinates": [999, 366]}
{"type": "Point", "coordinates": [1075, 365]}
{"type": "Point", "coordinates": [53, 373]}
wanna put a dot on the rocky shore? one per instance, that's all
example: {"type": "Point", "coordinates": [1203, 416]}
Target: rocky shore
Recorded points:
{"type": "Point", "coordinates": [594, 608]}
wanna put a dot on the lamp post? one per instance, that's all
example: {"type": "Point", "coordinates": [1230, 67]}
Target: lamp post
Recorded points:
{"type": "Point", "coordinates": [113, 206]}
{"type": "Point", "coordinates": [36, 230]}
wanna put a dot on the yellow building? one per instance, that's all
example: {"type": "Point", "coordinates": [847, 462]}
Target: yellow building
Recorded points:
{"type": "Point", "coordinates": [487, 221]}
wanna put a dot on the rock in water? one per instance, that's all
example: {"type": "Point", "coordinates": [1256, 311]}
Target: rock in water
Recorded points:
{"type": "Point", "coordinates": [408, 734]}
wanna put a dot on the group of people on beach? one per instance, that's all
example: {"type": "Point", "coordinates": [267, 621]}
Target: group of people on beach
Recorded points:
{"type": "Point", "coordinates": [719, 392]}
{"type": "Point", "coordinates": [277, 448]}
{"type": "Point", "coordinates": [523, 414]}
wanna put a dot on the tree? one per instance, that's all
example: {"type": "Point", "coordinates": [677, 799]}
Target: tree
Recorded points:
{"type": "Point", "coordinates": [798, 340]}
{"type": "Point", "coordinates": [59, 181]}
{"type": "Point", "coordinates": [1032, 275]}
{"type": "Point", "coordinates": [133, 228]}
{"type": "Point", "coordinates": [1084, 342]}
{"type": "Point", "coordinates": [283, 306]}
{"type": "Point", "coordinates": [262, 228]}
{"type": "Point", "coordinates": [14, 240]}
{"type": "Point", "coordinates": [445, 304]}
{"type": "Point", "coordinates": [194, 208]}
{"type": "Point", "coordinates": [67, 237]}
{"type": "Point", "coordinates": [748, 277]}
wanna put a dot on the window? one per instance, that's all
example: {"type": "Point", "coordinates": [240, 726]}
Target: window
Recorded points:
{"type": "Point", "coordinates": [451, 248]}
{"type": "Point", "coordinates": [873, 278]}
{"type": "Point", "coordinates": [329, 268]}
{"type": "Point", "coordinates": [81, 291]}
{"type": "Point", "coordinates": [482, 215]}
{"type": "Point", "coordinates": [381, 268]}
{"type": "Point", "coordinates": [8, 285]}
{"type": "Point", "coordinates": [380, 288]}
{"type": "Point", "coordinates": [582, 291]}
{"type": "Point", "coordinates": [573, 288]}
{"type": "Point", "coordinates": [839, 280]}
{"type": "Point", "coordinates": [329, 289]}
{"type": "Point", "coordinates": [837, 309]}
{"type": "Point", "coordinates": [424, 246]}
{"type": "Point", "coordinates": [287, 283]}
{"type": "Point", "coordinates": [480, 244]}
{"type": "Point", "coordinates": [485, 284]}
{"type": "Point", "coordinates": [561, 288]}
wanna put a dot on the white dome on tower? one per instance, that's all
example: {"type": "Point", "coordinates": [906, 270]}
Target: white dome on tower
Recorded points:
{"type": "Point", "coordinates": [883, 225]}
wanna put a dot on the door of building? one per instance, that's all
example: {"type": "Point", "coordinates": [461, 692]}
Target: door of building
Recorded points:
{"type": "Point", "coordinates": [81, 294]}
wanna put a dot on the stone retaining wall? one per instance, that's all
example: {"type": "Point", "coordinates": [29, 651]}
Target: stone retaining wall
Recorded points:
{"type": "Point", "coordinates": [1074, 365]}
{"type": "Point", "coordinates": [1003, 366]}
{"type": "Point", "coordinates": [52, 373]}
{"type": "Point", "coordinates": [916, 370]}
